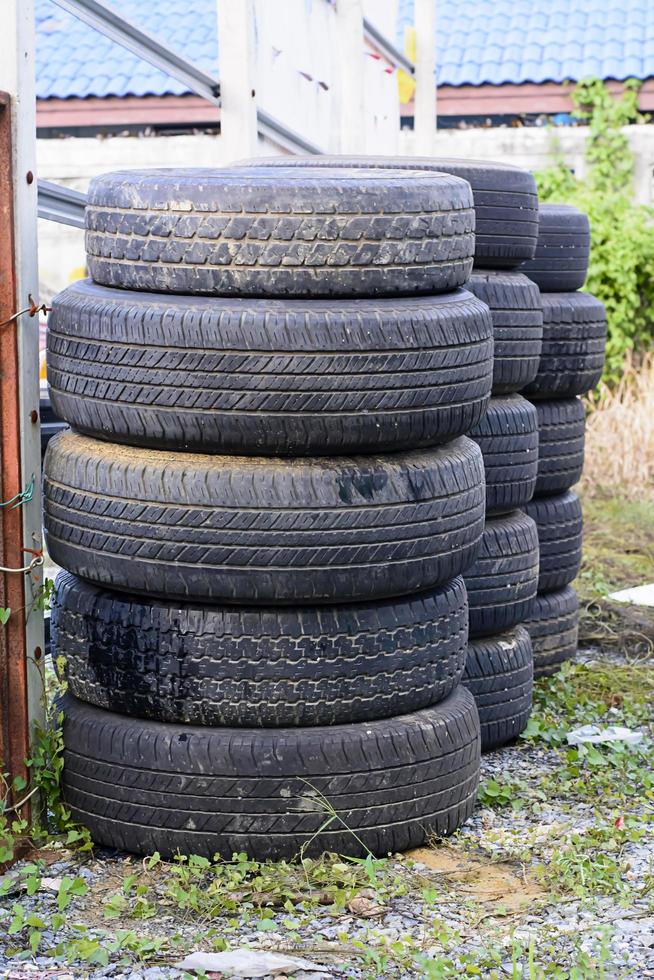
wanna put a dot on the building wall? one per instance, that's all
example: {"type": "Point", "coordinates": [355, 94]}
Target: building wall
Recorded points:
{"type": "Point", "coordinates": [533, 147]}
{"type": "Point", "coordinates": [74, 161]}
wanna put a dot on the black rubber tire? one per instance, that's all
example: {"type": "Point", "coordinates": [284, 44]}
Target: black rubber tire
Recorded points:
{"type": "Point", "coordinates": [505, 199]}
{"type": "Point", "coordinates": [574, 338]}
{"type": "Point", "coordinates": [263, 531]}
{"type": "Point", "coordinates": [280, 232]}
{"type": "Point", "coordinates": [561, 433]}
{"type": "Point", "coordinates": [143, 786]}
{"type": "Point", "coordinates": [508, 438]}
{"type": "Point", "coordinates": [269, 377]}
{"type": "Point", "coordinates": [515, 307]}
{"type": "Point", "coordinates": [554, 630]}
{"type": "Point", "coordinates": [560, 533]}
{"type": "Point", "coordinates": [502, 582]}
{"type": "Point", "coordinates": [500, 675]}
{"type": "Point", "coordinates": [560, 264]}
{"type": "Point", "coordinates": [251, 668]}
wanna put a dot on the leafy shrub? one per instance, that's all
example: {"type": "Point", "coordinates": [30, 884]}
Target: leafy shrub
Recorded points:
{"type": "Point", "coordinates": [621, 271]}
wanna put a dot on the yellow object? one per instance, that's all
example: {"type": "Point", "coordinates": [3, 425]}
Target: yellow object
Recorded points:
{"type": "Point", "coordinates": [79, 272]}
{"type": "Point", "coordinates": [405, 83]}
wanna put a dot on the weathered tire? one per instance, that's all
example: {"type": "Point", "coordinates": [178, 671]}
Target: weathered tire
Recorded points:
{"type": "Point", "coordinates": [280, 232]}
{"type": "Point", "coordinates": [574, 338]}
{"type": "Point", "coordinates": [500, 674]}
{"type": "Point", "coordinates": [272, 377]}
{"type": "Point", "coordinates": [554, 630]}
{"type": "Point", "coordinates": [248, 667]}
{"type": "Point", "coordinates": [514, 302]}
{"type": "Point", "coordinates": [560, 264]}
{"type": "Point", "coordinates": [256, 530]}
{"type": "Point", "coordinates": [561, 428]}
{"type": "Point", "coordinates": [144, 786]}
{"type": "Point", "coordinates": [560, 533]}
{"type": "Point", "coordinates": [508, 438]}
{"type": "Point", "coordinates": [505, 199]}
{"type": "Point", "coordinates": [502, 582]}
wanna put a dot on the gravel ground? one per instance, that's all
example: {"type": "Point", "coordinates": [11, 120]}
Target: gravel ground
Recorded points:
{"type": "Point", "coordinates": [477, 903]}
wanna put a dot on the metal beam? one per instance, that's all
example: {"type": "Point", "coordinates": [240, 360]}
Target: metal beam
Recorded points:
{"type": "Point", "coordinates": [108, 22]}
{"type": "Point", "coordinates": [57, 203]}
{"type": "Point", "coordinates": [283, 135]}
{"type": "Point", "coordinates": [384, 46]}
{"type": "Point", "coordinates": [98, 15]}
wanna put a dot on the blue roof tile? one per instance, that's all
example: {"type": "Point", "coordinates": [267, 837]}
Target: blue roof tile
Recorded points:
{"type": "Point", "coordinates": [479, 41]}
{"type": "Point", "coordinates": [540, 40]}
{"type": "Point", "coordinates": [75, 60]}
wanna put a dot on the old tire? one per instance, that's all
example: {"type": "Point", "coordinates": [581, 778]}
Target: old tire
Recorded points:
{"type": "Point", "coordinates": [251, 668]}
{"type": "Point", "coordinates": [561, 433]}
{"type": "Point", "coordinates": [560, 533]}
{"type": "Point", "coordinates": [502, 582]}
{"type": "Point", "coordinates": [574, 338]}
{"type": "Point", "coordinates": [515, 306]}
{"type": "Point", "coordinates": [560, 264]}
{"type": "Point", "coordinates": [499, 674]}
{"type": "Point", "coordinates": [508, 438]}
{"type": "Point", "coordinates": [280, 232]}
{"type": "Point", "coordinates": [270, 377]}
{"type": "Point", "coordinates": [505, 199]}
{"type": "Point", "coordinates": [144, 786]}
{"type": "Point", "coordinates": [554, 630]}
{"type": "Point", "coordinates": [262, 531]}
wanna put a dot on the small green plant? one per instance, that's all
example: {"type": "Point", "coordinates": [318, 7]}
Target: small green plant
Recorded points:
{"type": "Point", "coordinates": [621, 271]}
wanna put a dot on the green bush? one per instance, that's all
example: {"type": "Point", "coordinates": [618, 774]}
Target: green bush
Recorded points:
{"type": "Point", "coordinates": [621, 271]}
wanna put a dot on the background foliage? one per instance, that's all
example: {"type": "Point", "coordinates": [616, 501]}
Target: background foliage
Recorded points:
{"type": "Point", "coordinates": [621, 269]}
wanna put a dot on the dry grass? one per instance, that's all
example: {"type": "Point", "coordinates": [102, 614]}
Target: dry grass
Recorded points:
{"type": "Point", "coordinates": [620, 436]}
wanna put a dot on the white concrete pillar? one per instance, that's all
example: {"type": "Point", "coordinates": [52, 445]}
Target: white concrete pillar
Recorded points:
{"type": "Point", "coordinates": [351, 48]}
{"type": "Point", "coordinates": [424, 124]}
{"type": "Point", "coordinates": [238, 108]}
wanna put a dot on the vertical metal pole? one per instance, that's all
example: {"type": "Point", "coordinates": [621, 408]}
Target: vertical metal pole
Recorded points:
{"type": "Point", "coordinates": [21, 640]}
{"type": "Point", "coordinates": [238, 100]}
{"type": "Point", "coordinates": [424, 124]}
{"type": "Point", "coordinates": [351, 53]}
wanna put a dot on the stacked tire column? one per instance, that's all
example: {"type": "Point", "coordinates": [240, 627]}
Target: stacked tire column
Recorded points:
{"type": "Point", "coordinates": [265, 507]}
{"type": "Point", "coordinates": [502, 583]}
{"type": "Point", "coordinates": [572, 359]}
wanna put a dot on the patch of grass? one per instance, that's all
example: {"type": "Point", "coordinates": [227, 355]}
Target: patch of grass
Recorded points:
{"type": "Point", "coordinates": [614, 774]}
{"type": "Point", "coordinates": [593, 862]}
{"type": "Point", "coordinates": [596, 692]}
{"type": "Point", "coordinates": [618, 553]}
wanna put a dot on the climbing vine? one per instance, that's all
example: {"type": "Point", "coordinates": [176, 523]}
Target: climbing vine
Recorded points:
{"type": "Point", "coordinates": [621, 271]}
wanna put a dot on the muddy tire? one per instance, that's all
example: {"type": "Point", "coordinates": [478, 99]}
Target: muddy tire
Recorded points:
{"type": "Point", "coordinates": [502, 582]}
{"type": "Point", "coordinates": [561, 260]}
{"type": "Point", "coordinates": [508, 438]}
{"type": "Point", "coordinates": [143, 786]}
{"type": "Point", "coordinates": [574, 338]}
{"type": "Point", "coordinates": [499, 674]}
{"type": "Point", "coordinates": [561, 434]}
{"type": "Point", "coordinates": [505, 199]}
{"type": "Point", "coordinates": [270, 377]}
{"type": "Point", "coordinates": [269, 667]}
{"type": "Point", "coordinates": [560, 533]}
{"type": "Point", "coordinates": [262, 531]}
{"type": "Point", "coordinates": [280, 232]}
{"type": "Point", "coordinates": [554, 630]}
{"type": "Point", "coordinates": [514, 302]}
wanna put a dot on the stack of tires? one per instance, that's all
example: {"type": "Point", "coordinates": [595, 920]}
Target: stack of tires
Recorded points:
{"type": "Point", "coordinates": [503, 581]}
{"type": "Point", "coordinates": [502, 584]}
{"type": "Point", "coordinates": [265, 507]}
{"type": "Point", "coordinates": [572, 359]}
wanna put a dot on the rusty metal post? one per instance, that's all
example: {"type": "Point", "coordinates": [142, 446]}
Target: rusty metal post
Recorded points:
{"type": "Point", "coordinates": [21, 639]}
